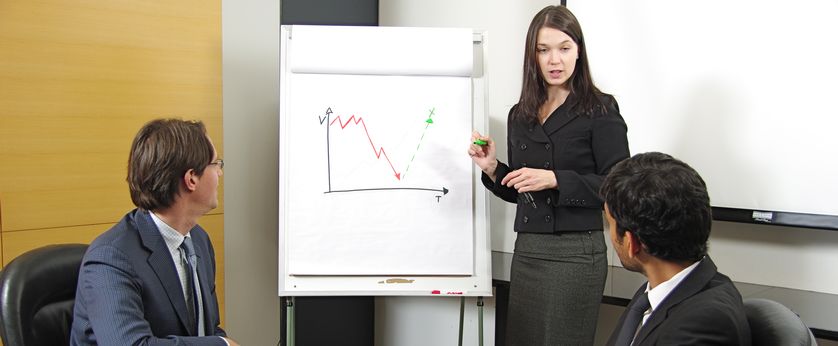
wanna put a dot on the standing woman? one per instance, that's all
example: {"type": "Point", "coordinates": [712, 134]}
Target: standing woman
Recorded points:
{"type": "Point", "coordinates": [563, 137]}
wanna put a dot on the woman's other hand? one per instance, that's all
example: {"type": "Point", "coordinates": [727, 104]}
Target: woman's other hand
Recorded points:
{"type": "Point", "coordinates": [530, 179]}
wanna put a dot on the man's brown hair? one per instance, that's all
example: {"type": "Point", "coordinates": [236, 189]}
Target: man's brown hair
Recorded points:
{"type": "Point", "coordinates": [162, 152]}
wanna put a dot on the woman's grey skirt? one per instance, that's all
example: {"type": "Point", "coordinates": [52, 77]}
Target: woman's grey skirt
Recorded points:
{"type": "Point", "coordinates": [556, 286]}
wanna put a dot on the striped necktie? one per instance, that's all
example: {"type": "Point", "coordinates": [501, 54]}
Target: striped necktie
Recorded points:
{"type": "Point", "coordinates": [193, 296]}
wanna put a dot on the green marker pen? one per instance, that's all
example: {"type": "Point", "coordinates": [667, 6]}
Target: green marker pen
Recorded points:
{"type": "Point", "coordinates": [480, 142]}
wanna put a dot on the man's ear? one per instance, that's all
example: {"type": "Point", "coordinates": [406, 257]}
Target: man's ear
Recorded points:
{"type": "Point", "coordinates": [634, 246]}
{"type": "Point", "coordinates": [190, 180]}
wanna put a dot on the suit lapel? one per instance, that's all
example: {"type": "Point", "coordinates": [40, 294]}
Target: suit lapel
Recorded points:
{"type": "Point", "coordinates": [561, 116]}
{"type": "Point", "coordinates": [557, 121]}
{"type": "Point", "coordinates": [161, 263]}
{"type": "Point", "coordinates": [534, 131]}
{"type": "Point", "coordinates": [691, 285]}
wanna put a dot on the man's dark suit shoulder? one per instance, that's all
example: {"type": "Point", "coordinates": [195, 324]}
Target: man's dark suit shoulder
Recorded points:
{"type": "Point", "coordinates": [713, 316]}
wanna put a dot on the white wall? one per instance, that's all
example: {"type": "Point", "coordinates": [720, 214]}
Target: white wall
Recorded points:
{"type": "Point", "coordinates": [779, 256]}
{"type": "Point", "coordinates": [250, 34]}
{"type": "Point", "coordinates": [423, 321]}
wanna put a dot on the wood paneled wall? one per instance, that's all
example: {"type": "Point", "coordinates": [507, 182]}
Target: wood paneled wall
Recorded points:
{"type": "Point", "coordinates": [77, 81]}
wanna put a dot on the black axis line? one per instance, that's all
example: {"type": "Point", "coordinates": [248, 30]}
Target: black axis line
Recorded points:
{"type": "Point", "coordinates": [443, 190]}
{"type": "Point", "coordinates": [328, 148]}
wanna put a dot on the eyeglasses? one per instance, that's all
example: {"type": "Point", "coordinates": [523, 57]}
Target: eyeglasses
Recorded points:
{"type": "Point", "coordinates": [219, 162]}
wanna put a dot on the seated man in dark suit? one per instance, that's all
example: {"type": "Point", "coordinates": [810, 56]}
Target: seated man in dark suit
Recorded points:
{"type": "Point", "coordinates": [659, 217]}
{"type": "Point", "coordinates": [150, 279]}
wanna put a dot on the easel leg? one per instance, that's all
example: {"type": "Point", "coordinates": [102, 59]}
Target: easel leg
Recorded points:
{"type": "Point", "coordinates": [480, 320]}
{"type": "Point", "coordinates": [289, 320]}
{"type": "Point", "coordinates": [462, 313]}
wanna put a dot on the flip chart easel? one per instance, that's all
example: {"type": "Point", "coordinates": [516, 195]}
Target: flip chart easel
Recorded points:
{"type": "Point", "coordinates": [359, 146]}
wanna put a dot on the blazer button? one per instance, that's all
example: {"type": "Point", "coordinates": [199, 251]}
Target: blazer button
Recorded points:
{"type": "Point", "coordinates": [523, 164]}
{"type": "Point", "coordinates": [547, 146]}
{"type": "Point", "coordinates": [523, 147]}
{"type": "Point", "coordinates": [526, 219]}
{"type": "Point", "coordinates": [547, 218]}
{"type": "Point", "coordinates": [547, 164]}
{"type": "Point", "coordinates": [549, 201]}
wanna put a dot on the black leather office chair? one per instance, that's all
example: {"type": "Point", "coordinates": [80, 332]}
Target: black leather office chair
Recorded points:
{"type": "Point", "coordinates": [773, 323]}
{"type": "Point", "coordinates": [37, 291]}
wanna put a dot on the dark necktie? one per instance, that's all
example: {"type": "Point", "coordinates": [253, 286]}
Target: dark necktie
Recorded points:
{"type": "Point", "coordinates": [634, 315]}
{"type": "Point", "coordinates": [192, 295]}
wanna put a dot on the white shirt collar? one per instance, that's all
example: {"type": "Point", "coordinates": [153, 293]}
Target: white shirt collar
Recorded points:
{"type": "Point", "coordinates": [660, 292]}
{"type": "Point", "coordinates": [172, 237]}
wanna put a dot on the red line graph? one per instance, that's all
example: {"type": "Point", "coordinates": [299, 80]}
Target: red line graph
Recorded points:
{"type": "Point", "coordinates": [378, 152]}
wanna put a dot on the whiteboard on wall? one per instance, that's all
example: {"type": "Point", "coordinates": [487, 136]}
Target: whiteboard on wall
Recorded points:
{"type": "Point", "coordinates": [377, 195]}
{"type": "Point", "coordinates": [741, 90]}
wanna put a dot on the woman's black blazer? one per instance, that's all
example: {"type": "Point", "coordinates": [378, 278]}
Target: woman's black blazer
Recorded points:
{"type": "Point", "coordinates": [579, 149]}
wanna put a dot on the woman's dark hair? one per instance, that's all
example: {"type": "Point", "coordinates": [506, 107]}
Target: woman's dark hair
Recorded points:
{"type": "Point", "coordinates": [534, 88]}
{"type": "Point", "coordinates": [162, 152]}
{"type": "Point", "coordinates": [663, 202]}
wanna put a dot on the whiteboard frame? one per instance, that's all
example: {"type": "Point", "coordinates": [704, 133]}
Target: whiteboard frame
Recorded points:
{"type": "Point", "coordinates": [478, 284]}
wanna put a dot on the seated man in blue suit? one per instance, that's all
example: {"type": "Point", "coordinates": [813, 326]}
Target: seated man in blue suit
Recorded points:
{"type": "Point", "coordinates": [659, 217]}
{"type": "Point", "coordinates": [150, 279]}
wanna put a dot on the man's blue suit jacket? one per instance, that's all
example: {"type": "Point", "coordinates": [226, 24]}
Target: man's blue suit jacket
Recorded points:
{"type": "Point", "coordinates": [129, 292]}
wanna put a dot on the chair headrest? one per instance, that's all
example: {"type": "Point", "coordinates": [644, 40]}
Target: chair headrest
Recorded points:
{"type": "Point", "coordinates": [42, 283]}
{"type": "Point", "coordinates": [773, 323]}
